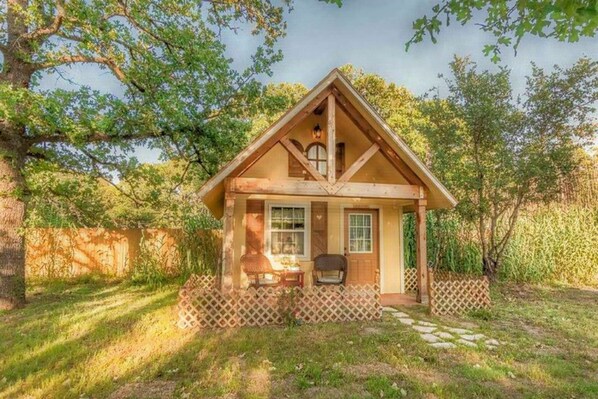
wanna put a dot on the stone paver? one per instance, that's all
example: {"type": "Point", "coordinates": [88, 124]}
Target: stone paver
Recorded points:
{"type": "Point", "coordinates": [423, 329]}
{"type": "Point", "coordinates": [466, 343]}
{"type": "Point", "coordinates": [430, 338]}
{"type": "Point", "coordinates": [389, 309]}
{"type": "Point", "coordinates": [406, 321]}
{"type": "Point", "coordinates": [473, 337]}
{"type": "Point", "coordinates": [441, 336]}
{"type": "Point", "coordinates": [458, 330]}
{"type": "Point", "coordinates": [444, 345]}
{"type": "Point", "coordinates": [444, 335]}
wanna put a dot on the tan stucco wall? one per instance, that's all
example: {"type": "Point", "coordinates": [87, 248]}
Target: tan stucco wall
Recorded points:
{"type": "Point", "coordinates": [390, 236]}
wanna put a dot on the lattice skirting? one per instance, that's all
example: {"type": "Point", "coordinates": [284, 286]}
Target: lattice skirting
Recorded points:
{"type": "Point", "coordinates": [410, 280]}
{"type": "Point", "coordinates": [202, 306]}
{"type": "Point", "coordinates": [453, 293]}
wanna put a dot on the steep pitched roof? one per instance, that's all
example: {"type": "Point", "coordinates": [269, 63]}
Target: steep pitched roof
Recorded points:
{"type": "Point", "coordinates": [212, 192]}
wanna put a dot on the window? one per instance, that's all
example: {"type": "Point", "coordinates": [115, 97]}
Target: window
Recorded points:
{"type": "Point", "coordinates": [316, 154]}
{"type": "Point", "coordinates": [360, 232]}
{"type": "Point", "coordinates": [287, 230]}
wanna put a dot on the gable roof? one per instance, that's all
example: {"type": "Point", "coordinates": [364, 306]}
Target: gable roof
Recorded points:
{"type": "Point", "coordinates": [212, 191]}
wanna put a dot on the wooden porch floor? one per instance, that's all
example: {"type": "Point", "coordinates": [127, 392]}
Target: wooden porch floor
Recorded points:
{"type": "Point", "coordinates": [398, 299]}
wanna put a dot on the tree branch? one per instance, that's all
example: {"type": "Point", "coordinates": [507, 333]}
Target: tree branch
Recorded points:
{"type": "Point", "coordinates": [52, 28]}
{"type": "Point", "coordinates": [80, 58]}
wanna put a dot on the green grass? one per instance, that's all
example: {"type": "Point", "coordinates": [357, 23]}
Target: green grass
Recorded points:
{"type": "Point", "coordinates": [89, 338]}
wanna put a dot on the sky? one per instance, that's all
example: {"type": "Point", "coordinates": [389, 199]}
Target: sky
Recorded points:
{"type": "Point", "coordinates": [370, 35]}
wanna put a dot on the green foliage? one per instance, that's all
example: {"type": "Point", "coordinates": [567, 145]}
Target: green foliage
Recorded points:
{"type": "Point", "coordinates": [452, 244]}
{"type": "Point", "coordinates": [196, 252]}
{"type": "Point", "coordinates": [199, 252]}
{"type": "Point", "coordinates": [148, 267]}
{"type": "Point", "coordinates": [510, 21]}
{"type": "Point", "coordinates": [551, 244]}
{"type": "Point", "coordinates": [287, 306]}
{"type": "Point", "coordinates": [397, 105]}
{"type": "Point", "coordinates": [497, 153]}
{"type": "Point", "coordinates": [556, 244]}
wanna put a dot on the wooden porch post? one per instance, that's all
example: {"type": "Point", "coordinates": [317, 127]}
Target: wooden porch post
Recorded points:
{"type": "Point", "coordinates": [228, 251]}
{"type": "Point", "coordinates": [421, 256]}
{"type": "Point", "coordinates": [331, 139]}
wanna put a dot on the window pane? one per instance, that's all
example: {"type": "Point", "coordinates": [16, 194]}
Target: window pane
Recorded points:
{"type": "Point", "coordinates": [321, 152]}
{"type": "Point", "coordinates": [276, 214]}
{"type": "Point", "coordinates": [287, 242]}
{"type": "Point", "coordinates": [322, 167]}
{"type": "Point", "coordinates": [367, 220]}
{"type": "Point", "coordinates": [312, 153]}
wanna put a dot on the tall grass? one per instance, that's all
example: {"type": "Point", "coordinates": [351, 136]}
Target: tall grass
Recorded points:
{"type": "Point", "coordinates": [200, 252]}
{"type": "Point", "coordinates": [556, 243]}
{"type": "Point", "coordinates": [451, 243]}
{"type": "Point", "coordinates": [197, 252]}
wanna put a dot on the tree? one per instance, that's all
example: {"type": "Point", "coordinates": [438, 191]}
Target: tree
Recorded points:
{"type": "Point", "coordinates": [180, 93]}
{"type": "Point", "coordinates": [396, 104]}
{"type": "Point", "coordinates": [510, 21]}
{"type": "Point", "coordinates": [498, 153]}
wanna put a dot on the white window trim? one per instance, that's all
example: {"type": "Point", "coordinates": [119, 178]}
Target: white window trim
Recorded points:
{"type": "Point", "coordinates": [268, 230]}
{"type": "Point", "coordinates": [371, 251]}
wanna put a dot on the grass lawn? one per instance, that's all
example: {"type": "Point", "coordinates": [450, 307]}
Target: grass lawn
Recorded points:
{"type": "Point", "coordinates": [96, 339]}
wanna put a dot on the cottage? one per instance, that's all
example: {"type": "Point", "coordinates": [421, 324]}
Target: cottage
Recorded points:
{"type": "Point", "coordinates": [329, 177]}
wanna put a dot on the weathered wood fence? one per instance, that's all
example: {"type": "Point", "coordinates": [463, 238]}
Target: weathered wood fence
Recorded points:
{"type": "Point", "coordinates": [63, 253]}
{"type": "Point", "coordinates": [202, 305]}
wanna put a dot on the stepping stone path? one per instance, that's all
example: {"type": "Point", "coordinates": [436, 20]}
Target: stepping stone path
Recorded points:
{"type": "Point", "coordinates": [444, 337]}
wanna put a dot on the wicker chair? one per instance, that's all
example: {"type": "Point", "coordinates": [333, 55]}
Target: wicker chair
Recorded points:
{"type": "Point", "coordinates": [259, 271]}
{"type": "Point", "coordinates": [325, 265]}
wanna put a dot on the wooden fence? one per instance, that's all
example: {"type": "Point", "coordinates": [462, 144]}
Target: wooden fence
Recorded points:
{"type": "Point", "coordinates": [455, 293]}
{"type": "Point", "coordinates": [410, 279]}
{"type": "Point", "coordinates": [202, 305]}
{"type": "Point", "coordinates": [63, 253]}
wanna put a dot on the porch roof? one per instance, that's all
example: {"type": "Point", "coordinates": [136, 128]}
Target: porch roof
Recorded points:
{"type": "Point", "coordinates": [212, 192]}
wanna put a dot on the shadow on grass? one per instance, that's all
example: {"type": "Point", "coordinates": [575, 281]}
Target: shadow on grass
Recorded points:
{"type": "Point", "coordinates": [92, 338]}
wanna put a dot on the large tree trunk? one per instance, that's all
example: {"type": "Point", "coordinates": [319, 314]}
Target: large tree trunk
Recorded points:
{"type": "Point", "coordinates": [13, 149]}
{"type": "Point", "coordinates": [12, 214]}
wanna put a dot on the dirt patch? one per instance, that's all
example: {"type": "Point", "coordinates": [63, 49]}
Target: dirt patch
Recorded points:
{"type": "Point", "coordinates": [145, 390]}
{"type": "Point", "coordinates": [368, 369]}
{"type": "Point", "coordinates": [258, 382]}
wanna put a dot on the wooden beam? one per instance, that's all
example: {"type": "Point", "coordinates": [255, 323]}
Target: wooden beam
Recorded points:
{"type": "Point", "coordinates": [377, 190]}
{"type": "Point", "coordinates": [294, 151]}
{"type": "Point", "coordinates": [331, 140]}
{"type": "Point", "coordinates": [247, 185]}
{"type": "Point", "coordinates": [228, 252]}
{"type": "Point", "coordinates": [420, 249]}
{"type": "Point", "coordinates": [358, 164]}
{"type": "Point", "coordinates": [363, 125]}
{"type": "Point", "coordinates": [257, 149]}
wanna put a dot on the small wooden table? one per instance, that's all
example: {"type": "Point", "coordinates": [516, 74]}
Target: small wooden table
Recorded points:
{"type": "Point", "coordinates": [292, 278]}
